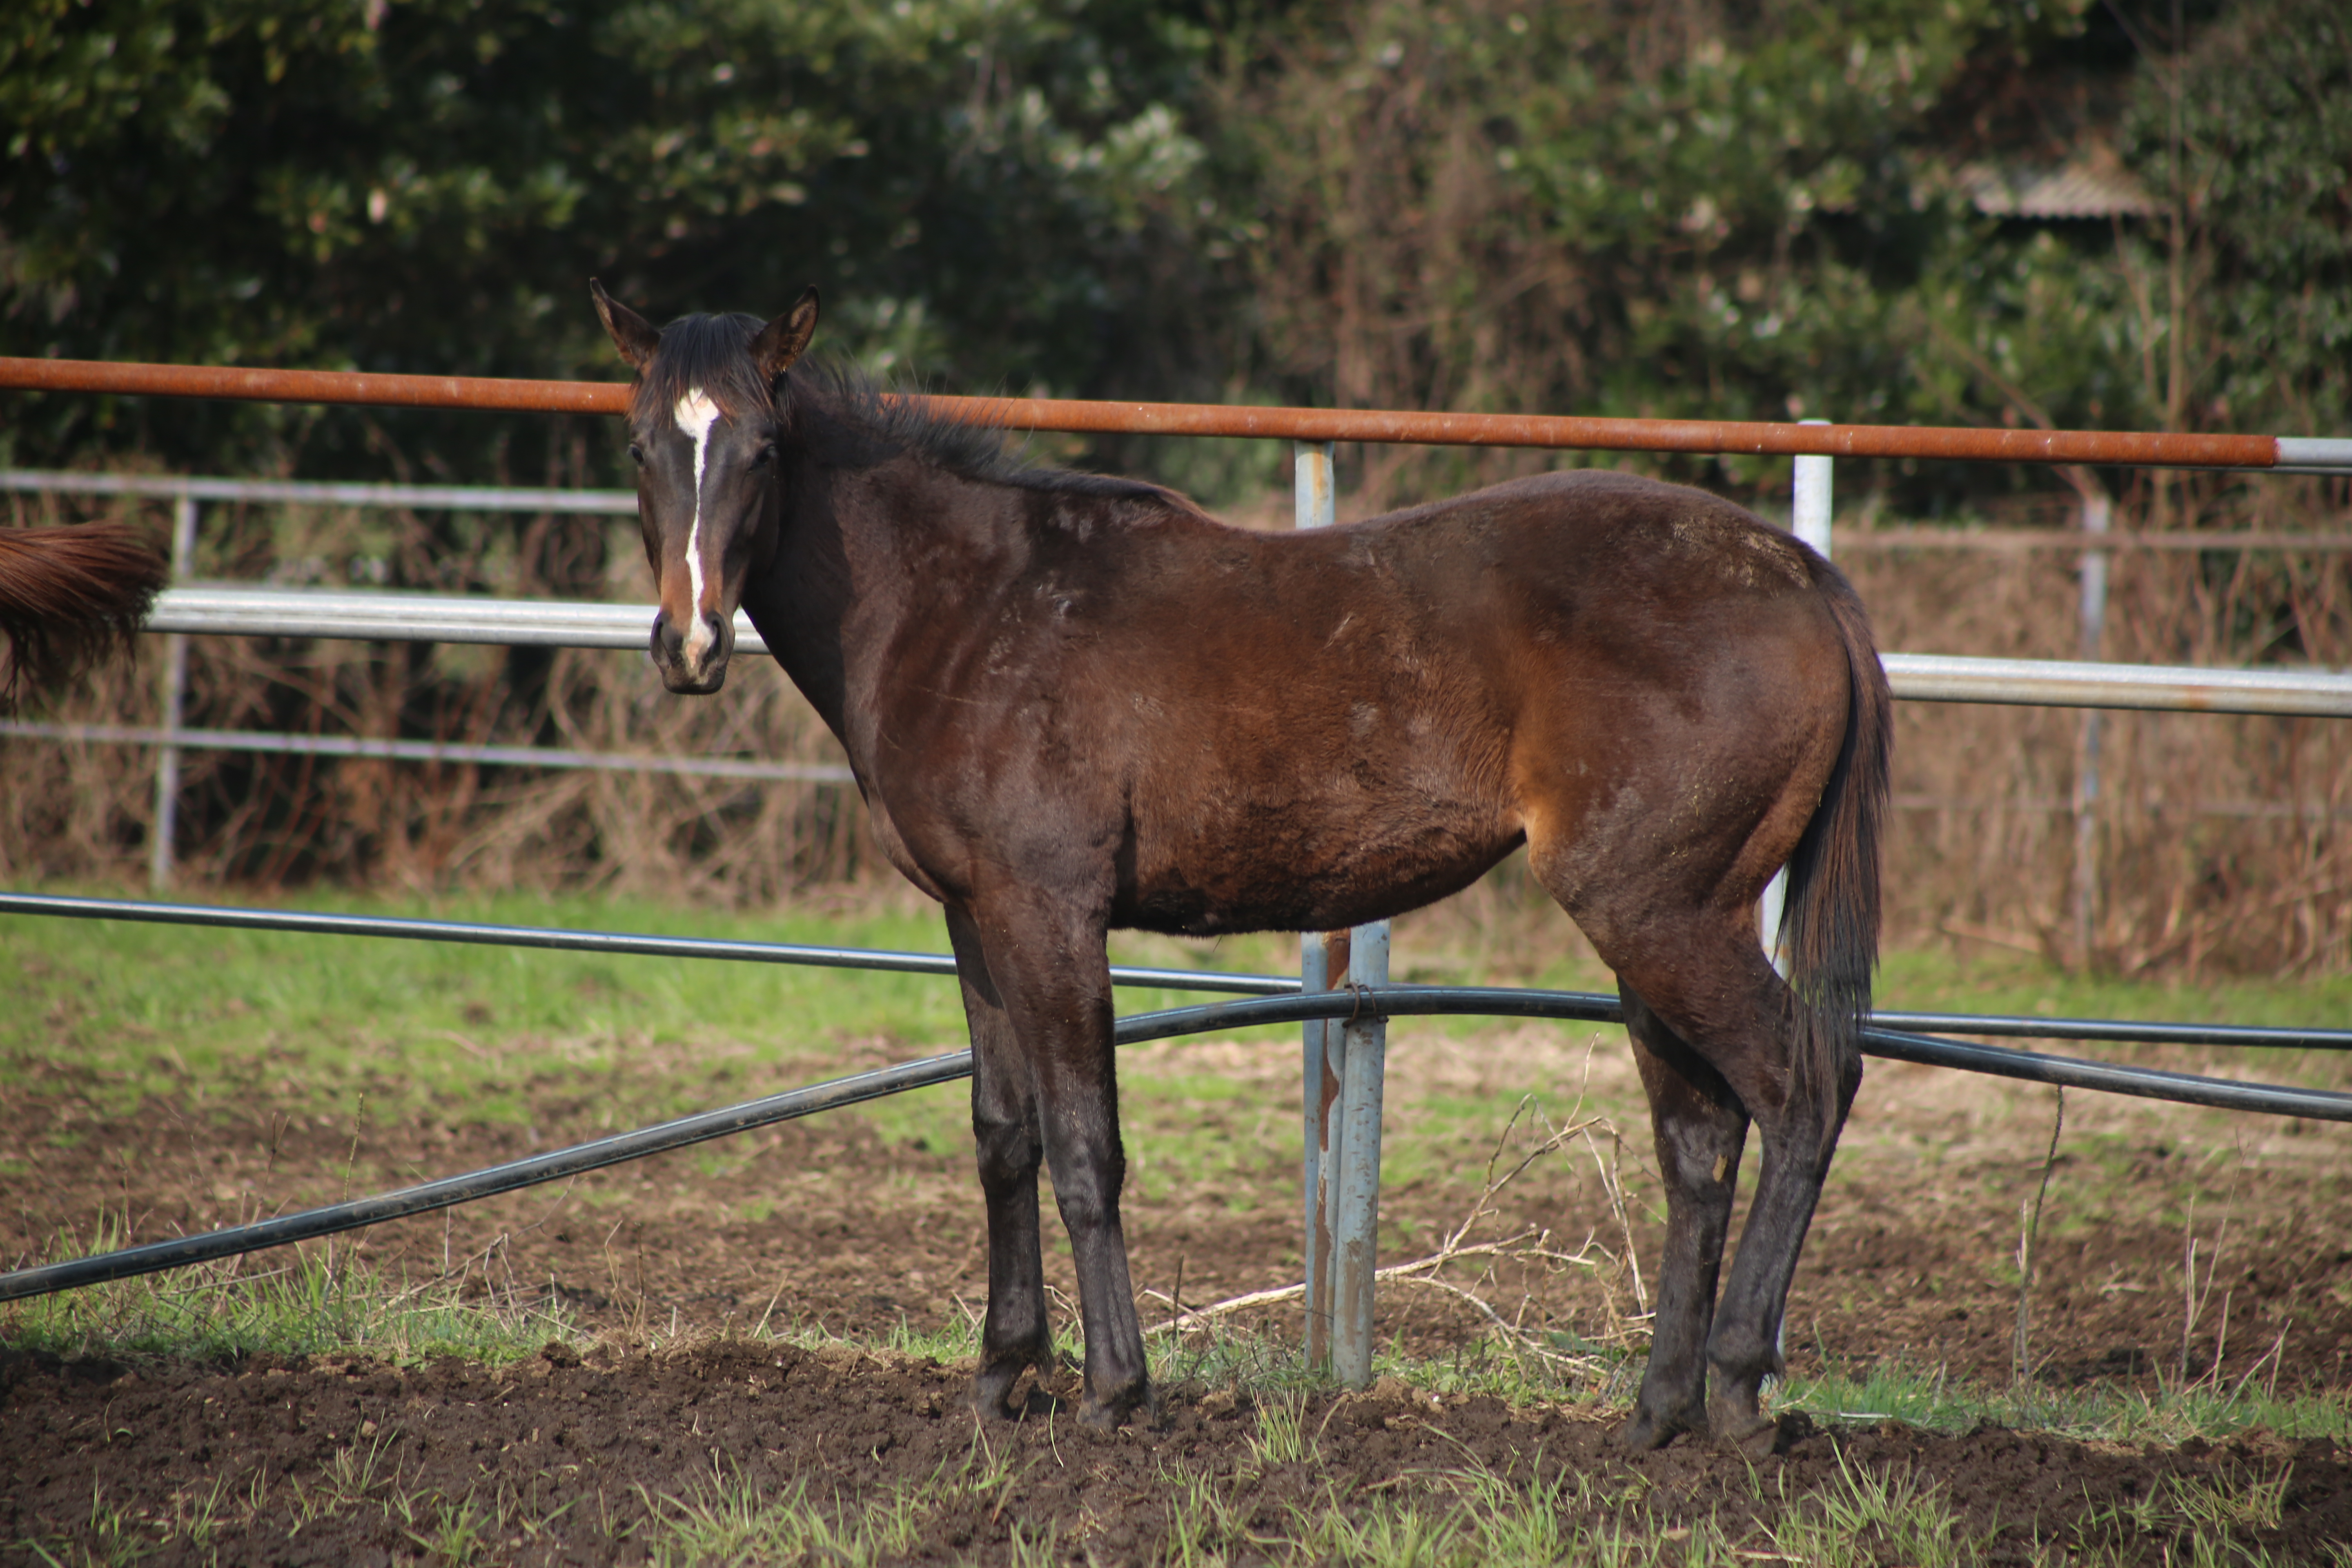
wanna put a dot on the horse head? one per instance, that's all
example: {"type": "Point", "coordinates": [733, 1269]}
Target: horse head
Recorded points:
{"type": "Point", "coordinates": [703, 424]}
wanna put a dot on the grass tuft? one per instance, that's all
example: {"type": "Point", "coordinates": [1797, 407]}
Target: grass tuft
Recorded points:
{"type": "Point", "coordinates": [724, 1519]}
{"type": "Point", "coordinates": [1896, 1391]}
{"type": "Point", "coordinates": [288, 1303]}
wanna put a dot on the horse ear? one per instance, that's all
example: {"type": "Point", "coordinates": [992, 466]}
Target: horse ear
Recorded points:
{"type": "Point", "coordinates": [786, 338]}
{"type": "Point", "coordinates": [631, 335]}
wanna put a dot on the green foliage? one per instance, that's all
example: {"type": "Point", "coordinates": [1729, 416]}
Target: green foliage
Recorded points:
{"type": "Point", "coordinates": [2262, 124]}
{"type": "Point", "coordinates": [1744, 211]}
{"type": "Point", "coordinates": [426, 185]}
{"type": "Point", "coordinates": [1755, 203]}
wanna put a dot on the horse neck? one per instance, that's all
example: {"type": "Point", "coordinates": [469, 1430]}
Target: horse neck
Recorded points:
{"type": "Point", "coordinates": [865, 551]}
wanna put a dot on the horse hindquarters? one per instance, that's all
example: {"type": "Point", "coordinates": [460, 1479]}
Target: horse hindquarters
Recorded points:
{"type": "Point", "coordinates": [1788, 764]}
{"type": "Point", "coordinates": [1831, 930]}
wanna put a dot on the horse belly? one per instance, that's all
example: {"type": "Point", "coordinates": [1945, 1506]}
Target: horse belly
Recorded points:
{"type": "Point", "coordinates": [1305, 853]}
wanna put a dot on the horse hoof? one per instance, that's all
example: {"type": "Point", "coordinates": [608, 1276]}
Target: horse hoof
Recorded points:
{"type": "Point", "coordinates": [1109, 1414]}
{"type": "Point", "coordinates": [1755, 1440]}
{"type": "Point", "coordinates": [991, 1394]}
{"type": "Point", "coordinates": [1647, 1431]}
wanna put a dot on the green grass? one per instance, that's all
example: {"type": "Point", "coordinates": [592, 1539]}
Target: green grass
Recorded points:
{"type": "Point", "coordinates": [723, 1521]}
{"type": "Point", "coordinates": [333, 1027]}
{"type": "Point", "coordinates": [1937, 980]}
{"type": "Point", "coordinates": [293, 1302]}
{"type": "Point", "coordinates": [134, 1010]}
{"type": "Point", "coordinates": [146, 1009]}
{"type": "Point", "coordinates": [347, 1028]}
{"type": "Point", "coordinates": [1976, 981]}
{"type": "Point", "coordinates": [155, 1008]}
{"type": "Point", "coordinates": [1199, 1516]}
{"type": "Point", "coordinates": [2097, 1413]}
{"type": "Point", "coordinates": [1262, 1500]}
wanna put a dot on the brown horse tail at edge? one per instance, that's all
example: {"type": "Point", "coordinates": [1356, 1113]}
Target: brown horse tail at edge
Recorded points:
{"type": "Point", "coordinates": [70, 596]}
{"type": "Point", "coordinates": [1829, 923]}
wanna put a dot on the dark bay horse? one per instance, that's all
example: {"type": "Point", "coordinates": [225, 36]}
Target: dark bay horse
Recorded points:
{"type": "Point", "coordinates": [70, 596]}
{"type": "Point", "coordinates": [1074, 702]}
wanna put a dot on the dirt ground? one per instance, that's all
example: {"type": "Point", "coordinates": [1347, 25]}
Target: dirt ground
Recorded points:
{"type": "Point", "coordinates": [673, 1264]}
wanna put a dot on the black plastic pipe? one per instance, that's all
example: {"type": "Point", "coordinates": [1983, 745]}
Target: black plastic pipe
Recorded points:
{"type": "Point", "coordinates": [1385, 1002]}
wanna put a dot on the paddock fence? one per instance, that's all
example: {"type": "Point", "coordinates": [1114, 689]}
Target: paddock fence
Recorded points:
{"type": "Point", "coordinates": [1342, 996]}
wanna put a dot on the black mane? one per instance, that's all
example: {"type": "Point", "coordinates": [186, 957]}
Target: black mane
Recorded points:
{"type": "Point", "coordinates": [712, 353]}
{"type": "Point", "coordinates": [842, 391]}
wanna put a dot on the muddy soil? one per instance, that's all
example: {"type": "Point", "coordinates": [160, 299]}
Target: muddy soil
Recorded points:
{"type": "Point", "coordinates": [671, 1267]}
{"type": "Point", "coordinates": [583, 1452]}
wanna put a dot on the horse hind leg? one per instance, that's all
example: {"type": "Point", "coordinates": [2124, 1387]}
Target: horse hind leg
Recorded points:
{"type": "Point", "coordinates": [1799, 1137]}
{"type": "Point", "coordinates": [1700, 1127]}
{"type": "Point", "coordinates": [1703, 982]}
{"type": "Point", "coordinates": [1721, 999]}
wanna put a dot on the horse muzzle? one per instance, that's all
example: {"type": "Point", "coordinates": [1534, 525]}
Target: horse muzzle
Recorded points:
{"type": "Point", "coordinates": [693, 659]}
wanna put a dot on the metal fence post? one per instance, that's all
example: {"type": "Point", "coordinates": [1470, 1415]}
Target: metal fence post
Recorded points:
{"type": "Point", "coordinates": [175, 686]}
{"type": "Point", "coordinates": [1313, 505]}
{"type": "Point", "coordinates": [1322, 966]}
{"type": "Point", "coordinates": [1312, 976]}
{"type": "Point", "coordinates": [1340, 1087]}
{"type": "Point", "coordinates": [1809, 519]}
{"type": "Point", "coordinates": [1356, 1205]}
{"type": "Point", "coordinates": [2098, 517]}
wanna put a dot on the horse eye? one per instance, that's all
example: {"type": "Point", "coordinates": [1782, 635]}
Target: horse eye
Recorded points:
{"type": "Point", "coordinates": [765, 456]}
{"type": "Point", "coordinates": [636, 454]}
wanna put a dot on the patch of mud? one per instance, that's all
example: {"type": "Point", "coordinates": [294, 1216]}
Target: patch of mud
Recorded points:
{"type": "Point", "coordinates": [333, 1462]}
{"type": "Point", "coordinates": [824, 1224]}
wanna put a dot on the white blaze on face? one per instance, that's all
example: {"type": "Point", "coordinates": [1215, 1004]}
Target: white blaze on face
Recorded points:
{"type": "Point", "coordinates": [696, 414]}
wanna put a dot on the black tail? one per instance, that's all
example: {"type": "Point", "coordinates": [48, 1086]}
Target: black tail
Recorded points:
{"type": "Point", "coordinates": [70, 596]}
{"type": "Point", "coordinates": [1828, 923]}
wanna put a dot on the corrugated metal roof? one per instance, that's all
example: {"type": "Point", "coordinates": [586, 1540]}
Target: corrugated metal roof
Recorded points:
{"type": "Point", "coordinates": [2076, 191]}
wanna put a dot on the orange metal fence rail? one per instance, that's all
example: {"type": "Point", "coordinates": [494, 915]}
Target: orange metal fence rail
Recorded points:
{"type": "Point", "coordinates": [2129, 448]}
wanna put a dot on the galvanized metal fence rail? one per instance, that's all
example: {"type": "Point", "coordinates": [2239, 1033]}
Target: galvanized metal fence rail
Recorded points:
{"type": "Point", "coordinates": [173, 736]}
{"type": "Point", "coordinates": [1341, 1090]}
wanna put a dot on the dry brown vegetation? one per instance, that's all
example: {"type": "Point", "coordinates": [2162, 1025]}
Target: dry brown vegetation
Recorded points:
{"type": "Point", "coordinates": [2215, 841]}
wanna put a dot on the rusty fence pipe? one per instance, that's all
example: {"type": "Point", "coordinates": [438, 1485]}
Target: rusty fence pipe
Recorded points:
{"type": "Point", "coordinates": [253, 386]}
{"type": "Point", "coordinates": [2125, 448]}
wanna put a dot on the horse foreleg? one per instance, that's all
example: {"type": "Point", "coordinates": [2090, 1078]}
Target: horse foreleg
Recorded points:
{"type": "Point", "coordinates": [1050, 965]}
{"type": "Point", "coordinates": [1088, 1163]}
{"type": "Point", "coordinates": [1699, 1126]}
{"type": "Point", "coordinates": [1015, 1335]}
